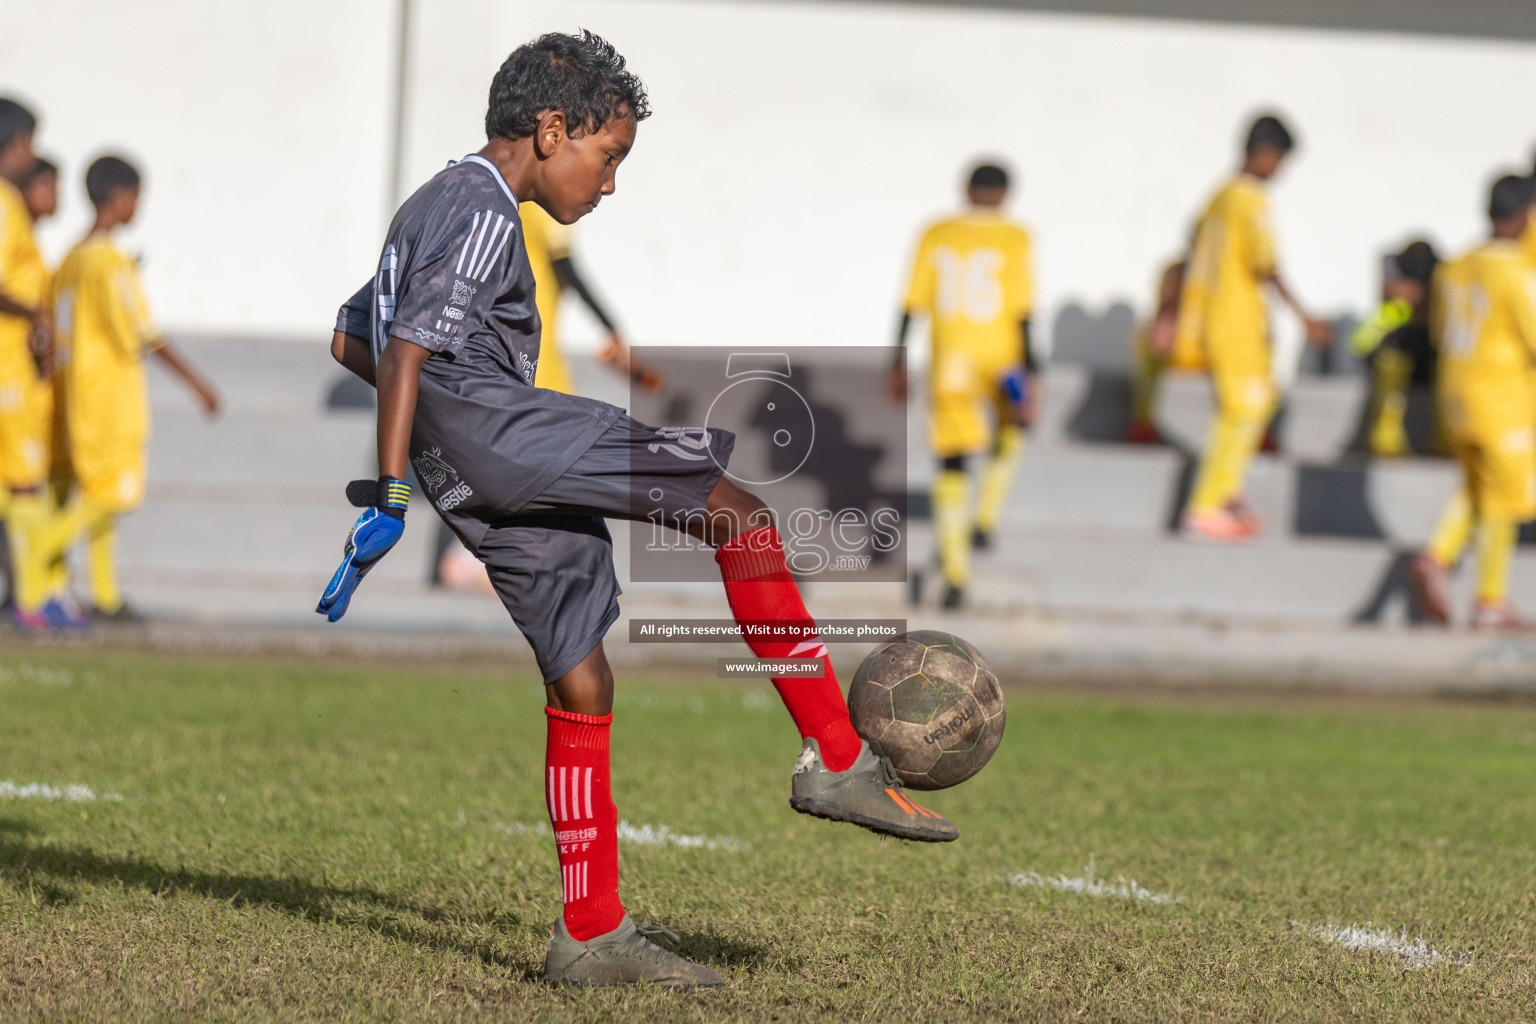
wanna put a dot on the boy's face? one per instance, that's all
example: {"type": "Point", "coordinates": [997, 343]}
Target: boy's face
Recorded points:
{"type": "Point", "coordinates": [17, 158]}
{"type": "Point", "coordinates": [42, 196]}
{"type": "Point", "coordinates": [987, 197]}
{"type": "Point", "coordinates": [580, 169]}
{"type": "Point", "coordinates": [1264, 162]}
{"type": "Point", "coordinates": [124, 203]}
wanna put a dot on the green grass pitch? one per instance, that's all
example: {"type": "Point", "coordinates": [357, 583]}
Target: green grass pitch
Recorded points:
{"type": "Point", "coordinates": [281, 840]}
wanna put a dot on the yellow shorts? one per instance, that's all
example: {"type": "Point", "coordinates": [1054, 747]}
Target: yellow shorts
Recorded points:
{"type": "Point", "coordinates": [112, 479]}
{"type": "Point", "coordinates": [1501, 472]}
{"type": "Point", "coordinates": [962, 422]}
{"type": "Point", "coordinates": [1248, 396]}
{"type": "Point", "coordinates": [1187, 354]}
{"type": "Point", "coordinates": [25, 423]}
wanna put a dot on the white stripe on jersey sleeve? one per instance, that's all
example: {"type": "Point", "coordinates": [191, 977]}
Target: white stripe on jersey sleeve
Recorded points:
{"type": "Point", "coordinates": [483, 271]}
{"type": "Point", "coordinates": [464, 249]}
{"type": "Point", "coordinates": [474, 256]}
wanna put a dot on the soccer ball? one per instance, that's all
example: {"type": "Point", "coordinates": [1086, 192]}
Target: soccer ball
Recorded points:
{"type": "Point", "coordinates": [930, 702]}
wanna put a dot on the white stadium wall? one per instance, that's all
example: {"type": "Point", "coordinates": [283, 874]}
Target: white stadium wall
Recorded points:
{"type": "Point", "coordinates": [263, 129]}
{"type": "Point", "coordinates": [796, 147]}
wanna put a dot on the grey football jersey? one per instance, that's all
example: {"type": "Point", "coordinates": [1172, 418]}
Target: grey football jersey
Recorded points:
{"type": "Point", "coordinates": [454, 279]}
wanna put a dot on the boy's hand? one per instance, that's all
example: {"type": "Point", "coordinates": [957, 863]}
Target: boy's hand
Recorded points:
{"type": "Point", "coordinates": [1319, 332]}
{"type": "Point", "coordinates": [375, 532]}
{"type": "Point", "coordinates": [617, 355]}
{"type": "Point", "coordinates": [207, 398]}
{"type": "Point", "coordinates": [1164, 331]}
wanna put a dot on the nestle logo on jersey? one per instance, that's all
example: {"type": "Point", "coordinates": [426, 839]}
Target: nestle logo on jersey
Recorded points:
{"type": "Point", "coordinates": [576, 835]}
{"type": "Point", "coordinates": [453, 313]}
{"type": "Point", "coordinates": [455, 496]}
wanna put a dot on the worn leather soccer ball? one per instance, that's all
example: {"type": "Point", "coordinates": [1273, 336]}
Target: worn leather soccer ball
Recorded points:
{"type": "Point", "coordinates": [930, 702]}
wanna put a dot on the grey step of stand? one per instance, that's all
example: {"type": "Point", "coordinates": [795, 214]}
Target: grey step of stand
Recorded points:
{"type": "Point", "coordinates": [245, 516]}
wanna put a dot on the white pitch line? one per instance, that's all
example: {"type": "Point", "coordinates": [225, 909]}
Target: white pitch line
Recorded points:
{"type": "Point", "coordinates": [1087, 885]}
{"type": "Point", "coordinates": [36, 675]}
{"type": "Point", "coordinates": [42, 791]}
{"type": "Point", "coordinates": [662, 835]}
{"type": "Point", "coordinates": [1414, 954]}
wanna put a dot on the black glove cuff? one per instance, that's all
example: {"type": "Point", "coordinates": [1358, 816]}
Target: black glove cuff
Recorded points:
{"type": "Point", "coordinates": [387, 494]}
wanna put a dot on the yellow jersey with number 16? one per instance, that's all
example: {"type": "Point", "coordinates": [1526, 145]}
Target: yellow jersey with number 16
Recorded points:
{"type": "Point", "coordinates": [973, 279]}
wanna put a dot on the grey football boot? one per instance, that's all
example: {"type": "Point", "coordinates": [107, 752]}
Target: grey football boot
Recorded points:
{"type": "Point", "coordinates": [867, 792]}
{"type": "Point", "coordinates": [624, 956]}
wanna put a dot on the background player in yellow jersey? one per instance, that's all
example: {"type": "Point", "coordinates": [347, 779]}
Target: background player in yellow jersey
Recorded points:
{"type": "Point", "coordinates": [554, 273]}
{"type": "Point", "coordinates": [1223, 310]}
{"type": "Point", "coordinates": [1483, 320]}
{"type": "Point", "coordinates": [40, 192]}
{"type": "Point", "coordinates": [104, 332]}
{"type": "Point", "coordinates": [26, 339]}
{"type": "Point", "coordinates": [973, 279]}
{"type": "Point", "coordinates": [1151, 353]}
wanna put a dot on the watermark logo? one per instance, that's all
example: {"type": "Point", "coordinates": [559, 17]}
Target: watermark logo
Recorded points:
{"type": "Point", "coordinates": [808, 431]}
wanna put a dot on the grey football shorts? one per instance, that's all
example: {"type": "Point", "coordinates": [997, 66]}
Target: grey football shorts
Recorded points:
{"type": "Point", "coordinates": [552, 562]}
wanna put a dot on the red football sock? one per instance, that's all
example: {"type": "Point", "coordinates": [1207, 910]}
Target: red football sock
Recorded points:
{"type": "Point", "coordinates": [585, 821]}
{"type": "Point", "coordinates": [759, 586]}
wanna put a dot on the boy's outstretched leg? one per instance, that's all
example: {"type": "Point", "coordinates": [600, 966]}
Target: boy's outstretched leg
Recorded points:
{"type": "Point", "coordinates": [595, 942]}
{"type": "Point", "coordinates": [837, 776]}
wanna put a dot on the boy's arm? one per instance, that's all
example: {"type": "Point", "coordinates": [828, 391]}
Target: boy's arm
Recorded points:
{"type": "Point", "coordinates": [10, 307]}
{"type": "Point", "coordinates": [1319, 332]}
{"type": "Point", "coordinates": [354, 326]}
{"type": "Point", "coordinates": [383, 500]}
{"type": "Point", "coordinates": [207, 397]}
{"type": "Point", "coordinates": [355, 354]}
{"type": "Point", "coordinates": [919, 299]}
{"type": "Point", "coordinates": [399, 372]}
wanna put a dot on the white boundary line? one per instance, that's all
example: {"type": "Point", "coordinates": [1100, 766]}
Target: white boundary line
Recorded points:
{"type": "Point", "coordinates": [1414, 954]}
{"type": "Point", "coordinates": [70, 793]}
{"type": "Point", "coordinates": [1087, 885]}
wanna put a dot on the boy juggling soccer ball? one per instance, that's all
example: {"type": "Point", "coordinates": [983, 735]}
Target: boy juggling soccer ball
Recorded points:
{"type": "Point", "coordinates": [448, 333]}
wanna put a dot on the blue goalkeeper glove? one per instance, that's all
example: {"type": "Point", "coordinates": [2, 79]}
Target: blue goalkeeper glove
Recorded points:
{"type": "Point", "coordinates": [375, 532]}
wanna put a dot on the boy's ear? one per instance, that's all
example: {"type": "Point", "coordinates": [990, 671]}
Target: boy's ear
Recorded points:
{"type": "Point", "coordinates": [550, 133]}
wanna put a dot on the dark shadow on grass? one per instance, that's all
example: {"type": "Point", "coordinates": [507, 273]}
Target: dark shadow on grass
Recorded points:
{"type": "Point", "coordinates": [48, 869]}
{"type": "Point", "coordinates": [716, 950]}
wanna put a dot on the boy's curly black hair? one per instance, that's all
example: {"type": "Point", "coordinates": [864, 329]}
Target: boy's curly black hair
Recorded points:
{"type": "Point", "coordinates": [107, 174]}
{"type": "Point", "coordinates": [582, 76]}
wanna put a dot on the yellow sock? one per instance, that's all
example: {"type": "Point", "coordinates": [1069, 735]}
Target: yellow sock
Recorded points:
{"type": "Point", "coordinates": [952, 524]}
{"type": "Point", "coordinates": [1234, 440]}
{"type": "Point", "coordinates": [60, 530]}
{"type": "Point", "coordinates": [56, 572]}
{"type": "Point", "coordinates": [1393, 370]}
{"type": "Point", "coordinates": [997, 477]}
{"type": "Point", "coordinates": [102, 549]}
{"type": "Point", "coordinates": [24, 524]}
{"type": "Point", "coordinates": [1452, 530]}
{"type": "Point", "coordinates": [1495, 548]}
